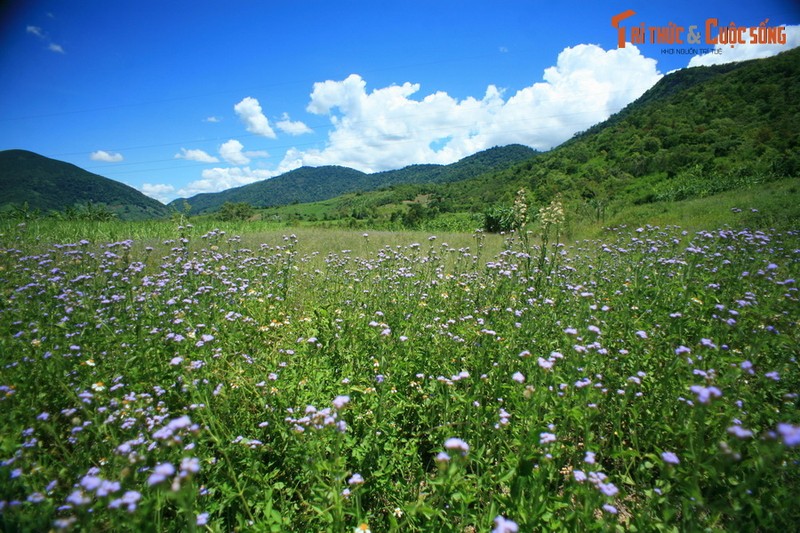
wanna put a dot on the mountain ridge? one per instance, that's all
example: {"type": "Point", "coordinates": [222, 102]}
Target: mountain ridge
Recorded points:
{"type": "Point", "coordinates": [308, 184]}
{"type": "Point", "coordinates": [45, 184]}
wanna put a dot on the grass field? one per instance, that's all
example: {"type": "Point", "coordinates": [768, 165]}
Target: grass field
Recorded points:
{"type": "Point", "coordinates": [184, 379]}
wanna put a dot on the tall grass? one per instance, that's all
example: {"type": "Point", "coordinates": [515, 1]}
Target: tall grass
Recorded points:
{"type": "Point", "coordinates": [645, 380]}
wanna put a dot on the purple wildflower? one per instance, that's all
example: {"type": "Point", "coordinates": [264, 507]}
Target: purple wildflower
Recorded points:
{"type": "Point", "coordinates": [129, 500]}
{"type": "Point", "coordinates": [457, 444]}
{"type": "Point", "coordinates": [790, 434]}
{"type": "Point", "coordinates": [77, 497]}
{"type": "Point", "coordinates": [36, 497]}
{"type": "Point", "coordinates": [504, 525]}
{"type": "Point", "coordinates": [546, 364]}
{"type": "Point", "coordinates": [546, 438]}
{"type": "Point", "coordinates": [108, 487]}
{"type": "Point", "coordinates": [189, 465]}
{"type": "Point", "coordinates": [91, 482]}
{"type": "Point", "coordinates": [704, 394]}
{"type": "Point", "coordinates": [708, 343]}
{"type": "Point", "coordinates": [670, 458]}
{"type": "Point", "coordinates": [609, 489]}
{"type": "Point", "coordinates": [341, 401]}
{"type": "Point", "coordinates": [160, 473]}
{"type": "Point", "coordinates": [740, 432]}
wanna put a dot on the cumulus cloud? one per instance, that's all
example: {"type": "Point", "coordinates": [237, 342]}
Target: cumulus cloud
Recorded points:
{"type": "Point", "coordinates": [196, 155]}
{"type": "Point", "coordinates": [291, 127]}
{"type": "Point", "coordinates": [106, 157]}
{"type": "Point", "coordinates": [743, 52]}
{"type": "Point", "coordinates": [219, 179]}
{"type": "Point", "coordinates": [212, 180]}
{"type": "Point", "coordinates": [249, 111]}
{"type": "Point", "coordinates": [159, 191]}
{"type": "Point", "coordinates": [233, 152]}
{"type": "Point", "coordinates": [391, 127]}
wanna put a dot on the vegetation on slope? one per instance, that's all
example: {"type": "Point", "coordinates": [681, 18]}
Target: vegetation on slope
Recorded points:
{"type": "Point", "coordinates": [697, 133]}
{"type": "Point", "coordinates": [311, 184]}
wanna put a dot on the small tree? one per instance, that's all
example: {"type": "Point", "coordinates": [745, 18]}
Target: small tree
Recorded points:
{"type": "Point", "coordinates": [235, 211]}
{"type": "Point", "coordinates": [505, 219]}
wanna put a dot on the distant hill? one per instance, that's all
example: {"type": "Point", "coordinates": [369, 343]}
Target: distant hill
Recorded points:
{"type": "Point", "coordinates": [51, 185]}
{"type": "Point", "coordinates": [311, 184]}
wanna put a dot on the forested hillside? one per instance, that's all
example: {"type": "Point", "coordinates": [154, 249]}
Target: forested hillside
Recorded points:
{"type": "Point", "coordinates": [697, 132]}
{"type": "Point", "coordinates": [310, 184]}
{"type": "Point", "coordinates": [44, 184]}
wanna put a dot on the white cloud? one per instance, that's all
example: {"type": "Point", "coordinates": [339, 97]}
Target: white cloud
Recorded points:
{"type": "Point", "coordinates": [231, 151]}
{"type": "Point", "coordinates": [212, 180]}
{"type": "Point", "coordinates": [35, 30]}
{"type": "Point", "coordinates": [41, 34]}
{"type": "Point", "coordinates": [196, 155]}
{"type": "Point", "coordinates": [389, 128]}
{"type": "Point", "coordinates": [212, 119]}
{"type": "Point", "coordinates": [249, 111]}
{"type": "Point", "coordinates": [291, 127]}
{"type": "Point", "coordinates": [107, 157]}
{"type": "Point", "coordinates": [159, 191]}
{"type": "Point", "coordinates": [743, 52]}
{"type": "Point", "coordinates": [219, 179]}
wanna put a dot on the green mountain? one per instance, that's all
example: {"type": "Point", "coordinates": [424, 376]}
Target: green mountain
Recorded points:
{"type": "Point", "coordinates": [45, 184]}
{"type": "Point", "coordinates": [310, 184]}
{"type": "Point", "coordinates": [696, 133]}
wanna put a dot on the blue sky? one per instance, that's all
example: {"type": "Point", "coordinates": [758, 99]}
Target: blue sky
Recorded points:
{"type": "Point", "coordinates": [178, 98]}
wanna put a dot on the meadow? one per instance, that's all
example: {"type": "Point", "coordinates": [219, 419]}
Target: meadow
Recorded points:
{"type": "Point", "coordinates": [194, 379]}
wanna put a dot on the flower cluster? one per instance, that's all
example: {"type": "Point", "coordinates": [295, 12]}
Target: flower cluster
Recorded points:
{"type": "Point", "coordinates": [318, 419]}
